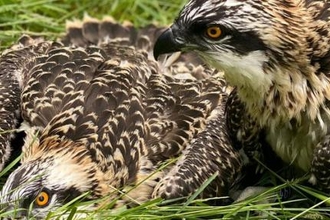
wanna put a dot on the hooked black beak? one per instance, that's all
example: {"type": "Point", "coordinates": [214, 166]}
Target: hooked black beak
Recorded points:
{"type": "Point", "coordinates": [166, 44]}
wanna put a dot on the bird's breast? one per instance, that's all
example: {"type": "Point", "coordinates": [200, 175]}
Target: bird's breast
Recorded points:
{"type": "Point", "coordinates": [295, 142]}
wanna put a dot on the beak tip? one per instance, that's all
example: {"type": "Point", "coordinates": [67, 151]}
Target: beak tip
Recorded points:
{"type": "Point", "coordinates": [166, 43]}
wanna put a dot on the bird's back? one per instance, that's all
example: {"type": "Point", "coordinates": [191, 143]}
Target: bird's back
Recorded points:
{"type": "Point", "coordinates": [115, 100]}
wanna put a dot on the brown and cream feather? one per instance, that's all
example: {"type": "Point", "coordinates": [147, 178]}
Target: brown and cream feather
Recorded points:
{"type": "Point", "coordinates": [103, 117]}
{"type": "Point", "coordinates": [276, 54]}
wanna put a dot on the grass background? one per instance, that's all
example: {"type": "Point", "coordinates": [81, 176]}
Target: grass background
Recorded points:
{"type": "Point", "coordinates": [47, 18]}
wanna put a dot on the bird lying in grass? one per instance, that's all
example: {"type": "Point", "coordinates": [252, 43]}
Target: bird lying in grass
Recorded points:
{"type": "Point", "coordinates": [103, 118]}
{"type": "Point", "coordinates": [276, 54]}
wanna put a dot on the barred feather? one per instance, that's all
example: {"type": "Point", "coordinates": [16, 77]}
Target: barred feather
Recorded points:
{"type": "Point", "coordinates": [276, 53]}
{"type": "Point", "coordinates": [104, 117]}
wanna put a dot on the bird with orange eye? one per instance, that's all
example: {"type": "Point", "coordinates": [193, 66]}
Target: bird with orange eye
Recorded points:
{"type": "Point", "coordinates": [35, 203]}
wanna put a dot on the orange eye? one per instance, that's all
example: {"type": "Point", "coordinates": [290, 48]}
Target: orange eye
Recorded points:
{"type": "Point", "coordinates": [213, 32]}
{"type": "Point", "coordinates": [42, 199]}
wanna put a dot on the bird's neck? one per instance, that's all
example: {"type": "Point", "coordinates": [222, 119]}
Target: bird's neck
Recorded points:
{"type": "Point", "coordinates": [284, 94]}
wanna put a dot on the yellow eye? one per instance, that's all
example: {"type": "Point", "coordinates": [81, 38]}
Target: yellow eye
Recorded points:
{"type": "Point", "coordinates": [213, 32]}
{"type": "Point", "coordinates": [42, 199]}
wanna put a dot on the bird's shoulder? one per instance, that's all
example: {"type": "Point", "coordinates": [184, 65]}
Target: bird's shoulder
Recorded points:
{"type": "Point", "coordinates": [84, 92]}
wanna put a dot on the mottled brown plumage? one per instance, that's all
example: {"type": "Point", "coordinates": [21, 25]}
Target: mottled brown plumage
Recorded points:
{"type": "Point", "coordinates": [103, 116]}
{"type": "Point", "coordinates": [276, 53]}
{"type": "Point", "coordinates": [9, 112]}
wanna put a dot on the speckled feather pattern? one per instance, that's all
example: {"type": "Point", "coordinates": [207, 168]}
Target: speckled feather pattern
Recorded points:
{"type": "Point", "coordinates": [10, 88]}
{"type": "Point", "coordinates": [276, 54]}
{"type": "Point", "coordinates": [104, 116]}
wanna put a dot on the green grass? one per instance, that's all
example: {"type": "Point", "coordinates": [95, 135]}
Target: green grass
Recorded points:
{"type": "Point", "coordinates": [47, 18]}
{"type": "Point", "coordinates": [299, 207]}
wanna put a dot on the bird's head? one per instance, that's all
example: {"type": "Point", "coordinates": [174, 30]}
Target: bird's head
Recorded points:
{"type": "Point", "coordinates": [48, 180]}
{"type": "Point", "coordinates": [255, 42]}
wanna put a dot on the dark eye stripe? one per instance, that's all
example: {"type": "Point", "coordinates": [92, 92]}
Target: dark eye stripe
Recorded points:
{"type": "Point", "coordinates": [246, 42]}
{"type": "Point", "coordinates": [197, 28]}
{"type": "Point", "coordinates": [242, 42]}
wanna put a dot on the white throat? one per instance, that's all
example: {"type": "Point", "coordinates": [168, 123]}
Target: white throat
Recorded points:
{"type": "Point", "coordinates": [245, 72]}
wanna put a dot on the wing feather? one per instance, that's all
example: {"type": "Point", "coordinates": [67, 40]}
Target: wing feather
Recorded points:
{"type": "Point", "coordinates": [100, 89]}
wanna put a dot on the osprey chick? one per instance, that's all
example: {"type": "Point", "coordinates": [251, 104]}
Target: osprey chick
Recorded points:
{"type": "Point", "coordinates": [105, 118]}
{"type": "Point", "coordinates": [276, 54]}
